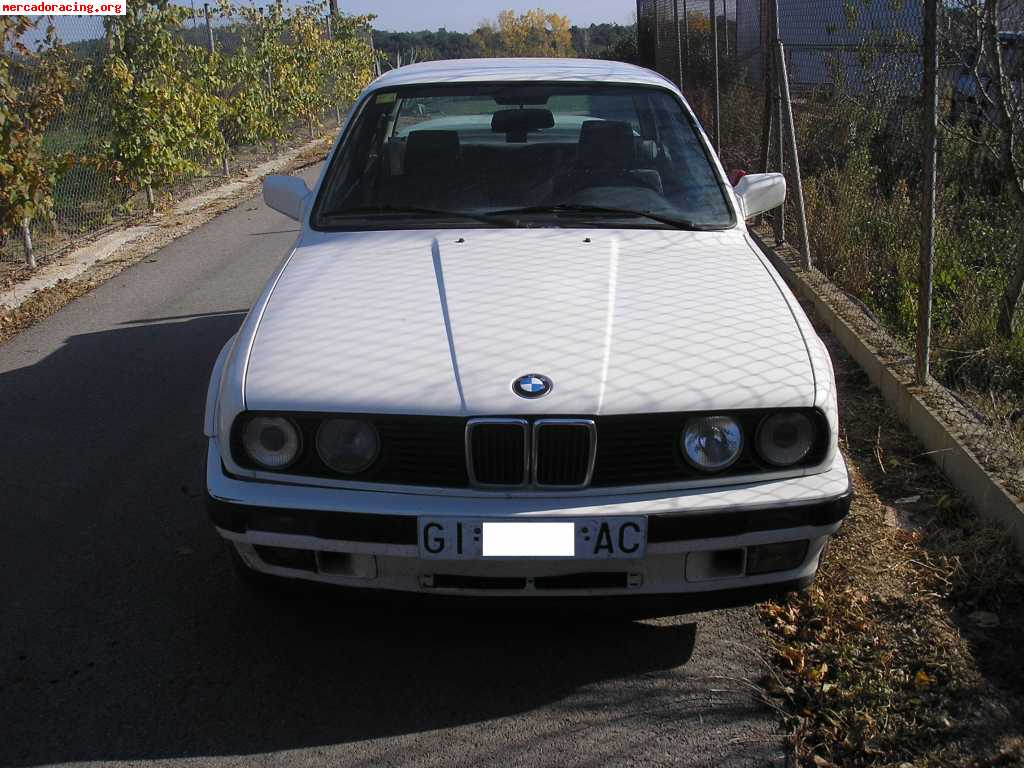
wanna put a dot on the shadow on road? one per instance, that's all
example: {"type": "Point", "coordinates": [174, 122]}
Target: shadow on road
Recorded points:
{"type": "Point", "coordinates": [124, 635]}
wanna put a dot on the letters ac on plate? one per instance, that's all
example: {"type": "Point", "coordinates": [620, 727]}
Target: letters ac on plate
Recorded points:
{"type": "Point", "coordinates": [603, 540]}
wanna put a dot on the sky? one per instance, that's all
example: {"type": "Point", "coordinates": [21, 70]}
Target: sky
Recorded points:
{"type": "Point", "coordinates": [399, 15]}
{"type": "Point", "coordinates": [466, 15]}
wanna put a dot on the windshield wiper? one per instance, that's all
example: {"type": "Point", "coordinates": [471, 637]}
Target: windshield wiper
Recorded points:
{"type": "Point", "coordinates": [398, 210]}
{"type": "Point", "coordinates": [571, 208]}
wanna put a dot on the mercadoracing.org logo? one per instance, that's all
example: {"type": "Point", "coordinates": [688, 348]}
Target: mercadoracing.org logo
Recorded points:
{"type": "Point", "coordinates": [32, 7]}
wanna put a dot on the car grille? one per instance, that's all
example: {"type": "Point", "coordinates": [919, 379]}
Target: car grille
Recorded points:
{"type": "Point", "coordinates": [548, 452]}
{"type": "Point", "coordinates": [512, 452]}
{"type": "Point", "coordinates": [563, 452]}
{"type": "Point", "coordinates": [497, 451]}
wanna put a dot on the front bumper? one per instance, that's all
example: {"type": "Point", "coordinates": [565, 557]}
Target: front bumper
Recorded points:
{"type": "Point", "coordinates": [699, 541]}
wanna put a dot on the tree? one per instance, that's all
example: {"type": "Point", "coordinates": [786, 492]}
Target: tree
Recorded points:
{"type": "Point", "coordinates": [606, 41]}
{"type": "Point", "coordinates": [287, 67]}
{"type": "Point", "coordinates": [992, 77]}
{"type": "Point", "coordinates": [163, 100]}
{"type": "Point", "coordinates": [534, 33]}
{"type": "Point", "coordinates": [33, 86]}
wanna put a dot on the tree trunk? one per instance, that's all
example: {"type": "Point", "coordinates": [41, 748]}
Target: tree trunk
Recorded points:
{"type": "Point", "coordinates": [1011, 296]}
{"type": "Point", "coordinates": [26, 241]}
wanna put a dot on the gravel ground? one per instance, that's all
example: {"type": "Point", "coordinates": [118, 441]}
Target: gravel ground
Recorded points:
{"type": "Point", "coordinates": [124, 637]}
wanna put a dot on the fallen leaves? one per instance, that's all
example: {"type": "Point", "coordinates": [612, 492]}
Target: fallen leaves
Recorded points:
{"type": "Point", "coordinates": [869, 663]}
{"type": "Point", "coordinates": [794, 656]}
{"type": "Point", "coordinates": [817, 674]}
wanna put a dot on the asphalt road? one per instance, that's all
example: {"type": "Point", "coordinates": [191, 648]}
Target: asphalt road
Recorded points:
{"type": "Point", "coordinates": [124, 636]}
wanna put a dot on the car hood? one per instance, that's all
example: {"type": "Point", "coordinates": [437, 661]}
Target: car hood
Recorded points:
{"type": "Point", "coordinates": [442, 322]}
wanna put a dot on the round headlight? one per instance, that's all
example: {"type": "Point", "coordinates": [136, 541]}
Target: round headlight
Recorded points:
{"type": "Point", "coordinates": [785, 438]}
{"type": "Point", "coordinates": [712, 443]}
{"type": "Point", "coordinates": [347, 445]}
{"type": "Point", "coordinates": [273, 442]}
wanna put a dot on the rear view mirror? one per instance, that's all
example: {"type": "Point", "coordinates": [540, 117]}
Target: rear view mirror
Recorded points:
{"type": "Point", "coordinates": [760, 192]}
{"type": "Point", "coordinates": [516, 123]}
{"type": "Point", "coordinates": [285, 194]}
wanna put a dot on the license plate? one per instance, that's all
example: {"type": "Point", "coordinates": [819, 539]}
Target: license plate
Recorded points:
{"type": "Point", "coordinates": [605, 538]}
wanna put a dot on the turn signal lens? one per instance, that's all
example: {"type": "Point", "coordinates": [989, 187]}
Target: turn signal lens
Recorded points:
{"type": "Point", "coordinates": [785, 438]}
{"type": "Point", "coordinates": [712, 443]}
{"type": "Point", "coordinates": [273, 442]}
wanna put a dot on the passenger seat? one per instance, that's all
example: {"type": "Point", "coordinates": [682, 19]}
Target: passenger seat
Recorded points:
{"type": "Point", "coordinates": [606, 157]}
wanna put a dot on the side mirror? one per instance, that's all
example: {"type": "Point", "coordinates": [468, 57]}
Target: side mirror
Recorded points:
{"type": "Point", "coordinates": [760, 192]}
{"type": "Point", "coordinates": [285, 194]}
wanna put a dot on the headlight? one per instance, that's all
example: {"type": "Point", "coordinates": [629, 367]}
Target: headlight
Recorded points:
{"type": "Point", "coordinates": [785, 438]}
{"type": "Point", "coordinates": [711, 443]}
{"type": "Point", "coordinates": [272, 442]}
{"type": "Point", "coordinates": [347, 445]}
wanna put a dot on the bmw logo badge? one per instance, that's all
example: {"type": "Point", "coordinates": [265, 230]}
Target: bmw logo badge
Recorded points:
{"type": "Point", "coordinates": [531, 385]}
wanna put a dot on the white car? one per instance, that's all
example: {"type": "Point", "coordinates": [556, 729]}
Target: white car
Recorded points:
{"type": "Point", "coordinates": [524, 345]}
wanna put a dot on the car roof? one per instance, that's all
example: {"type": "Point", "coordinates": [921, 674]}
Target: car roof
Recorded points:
{"type": "Point", "coordinates": [520, 70]}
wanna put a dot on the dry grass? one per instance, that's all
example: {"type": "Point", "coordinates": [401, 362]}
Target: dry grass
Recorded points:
{"type": "Point", "coordinates": [906, 649]}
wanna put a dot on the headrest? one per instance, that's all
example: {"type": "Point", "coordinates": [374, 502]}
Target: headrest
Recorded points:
{"type": "Point", "coordinates": [431, 152]}
{"type": "Point", "coordinates": [606, 144]}
{"type": "Point", "coordinates": [521, 120]}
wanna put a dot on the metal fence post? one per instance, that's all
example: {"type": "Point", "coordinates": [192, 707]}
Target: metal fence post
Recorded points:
{"type": "Point", "coordinates": [773, 105]}
{"type": "Point", "coordinates": [679, 44]}
{"type": "Point", "coordinates": [714, 58]}
{"type": "Point", "coordinates": [929, 148]}
{"type": "Point", "coordinates": [655, 43]}
{"type": "Point", "coordinates": [767, 123]}
{"type": "Point", "coordinates": [779, 219]}
{"type": "Point", "coordinates": [686, 37]}
{"type": "Point", "coordinates": [725, 20]}
{"type": "Point", "coordinates": [801, 214]}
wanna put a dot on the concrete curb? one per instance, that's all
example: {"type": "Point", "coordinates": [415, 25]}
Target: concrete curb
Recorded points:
{"type": "Point", "coordinates": [986, 494]}
{"type": "Point", "coordinates": [106, 246]}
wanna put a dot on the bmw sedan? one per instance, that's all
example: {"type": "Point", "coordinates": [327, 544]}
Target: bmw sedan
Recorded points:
{"type": "Point", "coordinates": [524, 345]}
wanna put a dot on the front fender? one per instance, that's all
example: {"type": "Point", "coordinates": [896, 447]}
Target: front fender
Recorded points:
{"type": "Point", "coordinates": [213, 389]}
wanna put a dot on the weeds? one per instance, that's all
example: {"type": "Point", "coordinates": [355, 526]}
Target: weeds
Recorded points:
{"type": "Point", "coordinates": [860, 162]}
{"type": "Point", "coordinates": [903, 651]}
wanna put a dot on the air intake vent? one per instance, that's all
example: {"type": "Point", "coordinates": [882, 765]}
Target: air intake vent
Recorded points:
{"type": "Point", "coordinates": [563, 452]}
{"type": "Point", "coordinates": [496, 451]}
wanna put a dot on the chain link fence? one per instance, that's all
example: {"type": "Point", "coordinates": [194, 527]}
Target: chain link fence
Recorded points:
{"type": "Point", "coordinates": [88, 198]}
{"type": "Point", "coordinates": [861, 110]}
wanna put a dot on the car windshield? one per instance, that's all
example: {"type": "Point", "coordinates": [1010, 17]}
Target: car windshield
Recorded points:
{"type": "Point", "coordinates": [563, 155]}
